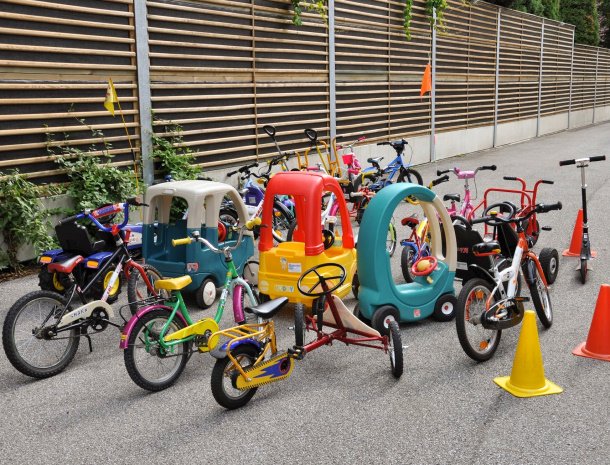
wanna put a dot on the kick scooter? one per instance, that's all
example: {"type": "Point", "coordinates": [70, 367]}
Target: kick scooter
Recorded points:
{"type": "Point", "coordinates": [585, 248]}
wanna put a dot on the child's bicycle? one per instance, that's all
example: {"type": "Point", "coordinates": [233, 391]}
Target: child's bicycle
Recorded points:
{"type": "Point", "coordinates": [375, 177]}
{"type": "Point", "coordinates": [585, 248]}
{"type": "Point", "coordinates": [417, 245]}
{"type": "Point", "coordinates": [467, 208]}
{"type": "Point", "coordinates": [488, 304]}
{"type": "Point", "coordinates": [158, 339]}
{"type": "Point", "coordinates": [42, 330]}
{"type": "Point", "coordinates": [248, 356]}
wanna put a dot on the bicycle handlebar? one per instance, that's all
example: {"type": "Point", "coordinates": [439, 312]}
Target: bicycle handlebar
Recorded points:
{"type": "Point", "coordinates": [93, 215]}
{"type": "Point", "coordinates": [539, 208]}
{"type": "Point", "coordinates": [441, 172]}
{"type": "Point", "coordinates": [196, 237]}
{"type": "Point", "coordinates": [583, 160]}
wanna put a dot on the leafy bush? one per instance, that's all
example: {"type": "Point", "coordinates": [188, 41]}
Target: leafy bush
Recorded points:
{"type": "Point", "coordinates": [175, 159]}
{"type": "Point", "coordinates": [22, 220]}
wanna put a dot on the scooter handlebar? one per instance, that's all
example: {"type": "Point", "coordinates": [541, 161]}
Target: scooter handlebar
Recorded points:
{"type": "Point", "coordinates": [567, 162]}
{"type": "Point", "coordinates": [598, 158]}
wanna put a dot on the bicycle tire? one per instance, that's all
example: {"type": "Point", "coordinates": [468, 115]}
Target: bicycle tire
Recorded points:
{"type": "Point", "coordinates": [284, 219]}
{"type": "Point", "coordinates": [407, 258]}
{"type": "Point", "coordinates": [406, 173]}
{"type": "Point", "coordinates": [11, 348]}
{"type": "Point", "coordinates": [395, 350]}
{"type": "Point", "coordinates": [133, 293]}
{"type": "Point", "coordinates": [541, 299]}
{"type": "Point", "coordinates": [130, 358]}
{"type": "Point", "coordinates": [222, 370]}
{"type": "Point", "coordinates": [488, 340]}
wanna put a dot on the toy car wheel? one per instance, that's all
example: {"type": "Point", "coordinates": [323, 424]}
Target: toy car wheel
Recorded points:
{"type": "Point", "coordinates": [382, 318]}
{"type": "Point", "coordinates": [444, 309]}
{"type": "Point", "coordinates": [98, 287]}
{"type": "Point", "coordinates": [206, 294]}
{"type": "Point", "coordinates": [549, 261]}
{"type": "Point", "coordinates": [355, 285]}
{"type": "Point", "coordinates": [395, 350]}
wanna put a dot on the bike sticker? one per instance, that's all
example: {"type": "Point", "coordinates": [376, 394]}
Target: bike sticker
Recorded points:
{"type": "Point", "coordinates": [192, 267]}
{"type": "Point", "coordinates": [263, 286]}
{"type": "Point", "coordinates": [462, 266]}
{"type": "Point", "coordinates": [294, 268]}
{"type": "Point", "coordinates": [416, 313]}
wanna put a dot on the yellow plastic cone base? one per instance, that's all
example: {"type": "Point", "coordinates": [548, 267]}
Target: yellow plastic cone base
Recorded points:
{"type": "Point", "coordinates": [527, 376]}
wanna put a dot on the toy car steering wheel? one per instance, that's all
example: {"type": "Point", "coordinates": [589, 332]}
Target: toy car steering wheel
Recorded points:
{"type": "Point", "coordinates": [500, 207]}
{"type": "Point", "coordinates": [424, 266]}
{"type": "Point", "coordinates": [342, 274]}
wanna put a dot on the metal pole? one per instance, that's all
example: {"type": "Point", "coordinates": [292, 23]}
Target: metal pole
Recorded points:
{"type": "Point", "coordinates": [595, 84]}
{"type": "Point", "coordinates": [571, 80]}
{"type": "Point", "coordinates": [540, 79]}
{"type": "Point", "coordinates": [497, 85]}
{"type": "Point", "coordinates": [332, 77]}
{"type": "Point", "coordinates": [144, 98]}
{"type": "Point", "coordinates": [433, 91]}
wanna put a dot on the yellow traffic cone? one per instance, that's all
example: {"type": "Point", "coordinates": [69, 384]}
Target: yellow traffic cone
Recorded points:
{"type": "Point", "coordinates": [527, 377]}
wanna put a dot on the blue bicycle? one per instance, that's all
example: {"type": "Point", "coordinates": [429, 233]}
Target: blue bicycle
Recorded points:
{"type": "Point", "coordinates": [375, 178]}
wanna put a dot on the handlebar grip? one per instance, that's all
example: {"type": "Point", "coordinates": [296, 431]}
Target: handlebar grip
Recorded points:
{"type": "Point", "coordinates": [384, 143]}
{"type": "Point", "coordinates": [231, 173]}
{"type": "Point", "coordinates": [542, 208]}
{"type": "Point", "coordinates": [134, 202]}
{"type": "Point", "coordinates": [547, 181]}
{"type": "Point", "coordinates": [440, 180]}
{"type": "Point", "coordinates": [510, 178]}
{"type": "Point", "coordinates": [598, 158]}
{"type": "Point", "coordinates": [441, 172]}
{"type": "Point", "coordinates": [185, 241]}
{"type": "Point", "coordinates": [479, 220]}
{"type": "Point", "coordinates": [489, 167]}
{"type": "Point", "coordinates": [70, 219]}
{"type": "Point", "coordinates": [251, 224]}
{"type": "Point", "coordinates": [567, 162]}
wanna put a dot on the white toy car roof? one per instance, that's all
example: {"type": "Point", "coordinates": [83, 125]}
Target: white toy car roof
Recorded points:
{"type": "Point", "coordinates": [204, 199]}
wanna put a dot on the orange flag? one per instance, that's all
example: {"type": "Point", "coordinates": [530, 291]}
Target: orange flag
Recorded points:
{"type": "Point", "coordinates": [426, 81]}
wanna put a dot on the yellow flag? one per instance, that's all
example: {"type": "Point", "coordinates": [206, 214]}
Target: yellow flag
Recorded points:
{"type": "Point", "coordinates": [111, 97]}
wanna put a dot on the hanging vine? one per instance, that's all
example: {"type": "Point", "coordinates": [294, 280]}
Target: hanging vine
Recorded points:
{"type": "Point", "coordinates": [440, 5]}
{"type": "Point", "coordinates": [321, 7]}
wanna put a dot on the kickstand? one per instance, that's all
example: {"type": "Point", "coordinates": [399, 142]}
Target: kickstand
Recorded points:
{"type": "Point", "coordinates": [89, 340]}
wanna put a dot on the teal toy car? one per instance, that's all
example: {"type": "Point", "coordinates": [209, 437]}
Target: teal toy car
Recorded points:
{"type": "Point", "coordinates": [176, 209]}
{"type": "Point", "coordinates": [431, 292]}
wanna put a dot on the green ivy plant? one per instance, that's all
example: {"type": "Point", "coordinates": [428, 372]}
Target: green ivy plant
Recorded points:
{"type": "Point", "coordinates": [440, 5]}
{"type": "Point", "coordinates": [174, 158]}
{"type": "Point", "coordinates": [93, 180]}
{"type": "Point", "coordinates": [321, 7]}
{"type": "Point", "coordinates": [22, 220]}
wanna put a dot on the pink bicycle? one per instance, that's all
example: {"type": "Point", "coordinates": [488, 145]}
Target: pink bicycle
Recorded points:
{"type": "Point", "coordinates": [467, 208]}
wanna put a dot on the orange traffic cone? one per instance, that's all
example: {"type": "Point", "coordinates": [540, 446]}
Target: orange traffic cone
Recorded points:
{"type": "Point", "coordinates": [527, 376]}
{"type": "Point", "coordinates": [576, 242]}
{"type": "Point", "coordinates": [597, 344]}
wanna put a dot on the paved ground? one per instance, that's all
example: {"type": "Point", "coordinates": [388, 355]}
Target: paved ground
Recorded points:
{"type": "Point", "coordinates": [342, 405]}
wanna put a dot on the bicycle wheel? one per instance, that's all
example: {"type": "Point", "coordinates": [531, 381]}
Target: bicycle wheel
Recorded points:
{"type": "Point", "coordinates": [282, 220]}
{"type": "Point", "coordinates": [137, 289]}
{"type": "Point", "coordinates": [32, 348]}
{"type": "Point", "coordinates": [224, 375]}
{"type": "Point", "coordinates": [364, 180]}
{"type": "Point", "coordinates": [148, 364]}
{"type": "Point", "coordinates": [583, 270]}
{"type": "Point", "coordinates": [479, 343]}
{"type": "Point", "coordinates": [410, 175]}
{"type": "Point", "coordinates": [541, 299]}
{"type": "Point", "coordinates": [391, 239]}
{"type": "Point", "coordinates": [299, 325]}
{"type": "Point", "coordinates": [407, 258]}
{"type": "Point", "coordinates": [395, 350]}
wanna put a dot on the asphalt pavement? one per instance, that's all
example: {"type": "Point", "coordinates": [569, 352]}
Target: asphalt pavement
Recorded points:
{"type": "Point", "coordinates": [341, 404]}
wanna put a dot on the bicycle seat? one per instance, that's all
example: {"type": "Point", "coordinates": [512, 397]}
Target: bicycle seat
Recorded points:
{"type": "Point", "coordinates": [173, 284]}
{"type": "Point", "coordinates": [268, 310]}
{"type": "Point", "coordinates": [455, 197]}
{"type": "Point", "coordinates": [486, 248]}
{"type": "Point", "coordinates": [66, 266]}
{"type": "Point", "coordinates": [374, 160]}
{"type": "Point", "coordinates": [410, 222]}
